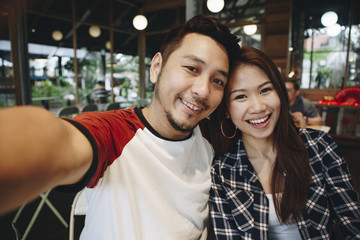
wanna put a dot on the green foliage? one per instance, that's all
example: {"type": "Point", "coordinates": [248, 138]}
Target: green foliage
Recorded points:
{"type": "Point", "coordinates": [324, 72]}
{"type": "Point", "coordinates": [319, 54]}
{"type": "Point", "coordinates": [125, 64]}
{"type": "Point", "coordinates": [80, 64]}
{"type": "Point", "coordinates": [88, 73]}
{"type": "Point", "coordinates": [7, 100]}
{"type": "Point", "coordinates": [48, 89]}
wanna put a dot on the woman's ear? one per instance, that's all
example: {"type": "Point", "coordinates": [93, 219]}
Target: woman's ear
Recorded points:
{"type": "Point", "coordinates": [155, 67]}
{"type": "Point", "coordinates": [227, 115]}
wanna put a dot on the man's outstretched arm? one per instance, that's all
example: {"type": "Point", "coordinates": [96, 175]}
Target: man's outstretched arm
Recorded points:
{"type": "Point", "coordinates": [314, 120]}
{"type": "Point", "coordinates": [38, 151]}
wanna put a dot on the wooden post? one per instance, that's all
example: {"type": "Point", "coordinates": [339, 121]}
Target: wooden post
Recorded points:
{"type": "Point", "coordinates": [19, 53]}
{"type": "Point", "coordinates": [112, 51]}
{"type": "Point", "coordinates": [141, 53]}
{"type": "Point", "coordinates": [351, 13]}
{"type": "Point", "coordinates": [75, 50]}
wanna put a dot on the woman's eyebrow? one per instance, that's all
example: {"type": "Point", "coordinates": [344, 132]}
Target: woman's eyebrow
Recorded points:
{"type": "Point", "coordinates": [265, 83]}
{"type": "Point", "coordinates": [243, 89]}
{"type": "Point", "coordinates": [237, 90]}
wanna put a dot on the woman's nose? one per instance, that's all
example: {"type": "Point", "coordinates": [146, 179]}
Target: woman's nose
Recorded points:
{"type": "Point", "coordinates": [257, 105]}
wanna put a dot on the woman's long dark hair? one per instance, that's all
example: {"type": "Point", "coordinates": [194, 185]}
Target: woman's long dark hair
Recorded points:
{"type": "Point", "coordinates": [291, 174]}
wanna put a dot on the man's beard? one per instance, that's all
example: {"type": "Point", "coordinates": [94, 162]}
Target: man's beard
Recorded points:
{"type": "Point", "coordinates": [181, 127]}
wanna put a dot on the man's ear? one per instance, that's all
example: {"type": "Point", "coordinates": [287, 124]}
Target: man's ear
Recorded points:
{"type": "Point", "coordinates": [155, 67]}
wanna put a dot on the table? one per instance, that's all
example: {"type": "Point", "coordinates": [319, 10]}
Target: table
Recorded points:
{"type": "Point", "coordinates": [343, 120]}
{"type": "Point", "coordinates": [320, 127]}
{"type": "Point", "coordinates": [45, 101]}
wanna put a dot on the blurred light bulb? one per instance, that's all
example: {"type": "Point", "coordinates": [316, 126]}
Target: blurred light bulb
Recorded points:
{"type": "Point", "coordinates": [215, 6]}
{"type": "Point", "coordinates": [57, 35]}
{"type": "Point", "coordinates": [250, 29]}
{"type": "Point", "coordinates": [94, 31]}
{"type": "Point", "coordinates": [108, 45]}
{"type": "Point", "coordinates": [328, 19]}
{"type": "Point", "coordinates": [140, 22]}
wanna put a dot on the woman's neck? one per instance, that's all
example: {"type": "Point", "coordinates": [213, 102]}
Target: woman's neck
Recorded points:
{"type": "Point", "coordinates": [262, 156]}
{"type": "Point", "coordinates": [259, 148]}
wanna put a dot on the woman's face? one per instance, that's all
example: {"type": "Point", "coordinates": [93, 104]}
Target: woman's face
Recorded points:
{"type": "Point", "coordinates": [252, 102]}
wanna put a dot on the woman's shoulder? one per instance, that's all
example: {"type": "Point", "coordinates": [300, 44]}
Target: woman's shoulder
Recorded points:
{"type": "Point", "coordinates": [234, 157]}
{"type": "Point", "coordinates": [310, 135]}
{"type": "Point", "coordinates": [321, 148]}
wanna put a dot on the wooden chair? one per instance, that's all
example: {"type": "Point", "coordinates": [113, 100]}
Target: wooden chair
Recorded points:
{"type": "Point", "coordinates": [90, 108]}
{"type": "Point", "coordinates": [70, 112]}
{"type": "Point", "coordinates": [78, 207]}
{"type": "Point", "coordinates": [112, 106]}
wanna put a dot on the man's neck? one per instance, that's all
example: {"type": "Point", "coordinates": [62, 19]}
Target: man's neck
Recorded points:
{"type": "Point", "coordinates": [159, 122]}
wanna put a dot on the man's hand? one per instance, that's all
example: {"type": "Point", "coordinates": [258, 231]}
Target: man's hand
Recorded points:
{"type": "Point", "coordinates": [299, 119]}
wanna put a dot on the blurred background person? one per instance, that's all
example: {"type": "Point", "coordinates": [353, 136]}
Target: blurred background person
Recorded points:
{"type": "Point", "coordinates": [303, 110]}
{"type": "Point", "coordinates": [99, 93]}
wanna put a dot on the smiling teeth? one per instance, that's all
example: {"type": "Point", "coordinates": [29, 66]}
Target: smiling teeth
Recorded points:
{"type": "Point", "coordinates": [191, 106]}
{"type": "Point", "coordinates": [259, 121]}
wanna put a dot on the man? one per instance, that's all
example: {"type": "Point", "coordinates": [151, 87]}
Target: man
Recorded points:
{"type": "Point", "coordinates": [303, 110]}
{"type": "Point", "coordinates": [147, 171]}
{"type": "Point", "coordinates": [99, 93]}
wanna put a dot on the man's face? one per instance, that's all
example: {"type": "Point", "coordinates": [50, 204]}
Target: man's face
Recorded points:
{"type": "Point", "coordinates": [292, 93]}
{"type": "Point", "coordinates": [190, 86]}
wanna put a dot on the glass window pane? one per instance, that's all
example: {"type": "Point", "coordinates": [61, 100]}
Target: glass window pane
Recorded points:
{"type": "Point", "coordinates": [324, 58]}
{"type": "Point", "coordinates": [354, 57]}
{"type": "Point", "coordinates": [7, 100]}
{"type": "Point", "coordinates": [7, 90]}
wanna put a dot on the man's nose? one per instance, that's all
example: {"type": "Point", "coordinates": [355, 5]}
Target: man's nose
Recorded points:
{"type": "Point", "coordinates": [201, 87]}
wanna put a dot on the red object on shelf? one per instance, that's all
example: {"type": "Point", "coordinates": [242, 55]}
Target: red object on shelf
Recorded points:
{"type": "Point", "coordinates": [336, 103]}
{"type": "Point", "coordinates": [347, 96]}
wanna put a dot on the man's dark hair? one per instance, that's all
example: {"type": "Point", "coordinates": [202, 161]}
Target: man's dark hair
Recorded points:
{"type": "Point", "coordinates": [205, 25]}
{"type": "Point", "coordinates": [295, 82]}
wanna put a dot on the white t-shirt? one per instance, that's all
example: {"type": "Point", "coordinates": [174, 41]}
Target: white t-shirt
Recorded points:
{"type": "Point", "coordinates": [278, 231]}
{"type": "Point", "coordinates": [145, 187]}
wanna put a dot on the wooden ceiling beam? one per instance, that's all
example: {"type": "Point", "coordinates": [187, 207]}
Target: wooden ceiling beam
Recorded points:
{"type": "Point", "coordinates": [154, 5]}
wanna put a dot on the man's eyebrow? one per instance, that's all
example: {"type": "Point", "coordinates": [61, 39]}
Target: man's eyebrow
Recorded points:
{"type": "Point", "coordinates": [225, 74]}
{"type": "Point", "coordinates": [198, 60]}
{"type": "Point", "coordinates": [194, 58]}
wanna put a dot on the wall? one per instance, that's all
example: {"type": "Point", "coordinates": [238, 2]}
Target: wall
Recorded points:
{"type": "Point", "coordinates": [276, 32]}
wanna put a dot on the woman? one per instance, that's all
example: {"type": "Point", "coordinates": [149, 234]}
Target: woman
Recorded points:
{"type": "Point", "coordinates": [271, 180]}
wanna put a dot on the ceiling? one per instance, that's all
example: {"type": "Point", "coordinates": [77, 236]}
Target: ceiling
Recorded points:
{"type": "Point", "coordinates": [312, 10]}
{"type": "Point", "coordinates": [161, 17]}
{"type": "Point", "coordinates": [45, 16]}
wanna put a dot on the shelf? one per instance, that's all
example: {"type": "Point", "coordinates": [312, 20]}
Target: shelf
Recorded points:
{"type": "Point", "coordinates": [343, 120]}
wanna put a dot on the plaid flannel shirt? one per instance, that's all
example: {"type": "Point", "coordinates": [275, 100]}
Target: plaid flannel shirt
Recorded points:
{"type": "Point", "coordinates": [240, 208]}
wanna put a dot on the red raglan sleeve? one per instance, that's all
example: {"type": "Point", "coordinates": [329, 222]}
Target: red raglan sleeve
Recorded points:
{"type": "Point", "coordinates": [108, 133]}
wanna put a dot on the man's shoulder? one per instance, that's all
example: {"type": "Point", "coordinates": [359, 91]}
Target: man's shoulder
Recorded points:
{"type": "Point", "coordinates": [306, 101]}
{"type": "Point", "coordinates": [114, 118]}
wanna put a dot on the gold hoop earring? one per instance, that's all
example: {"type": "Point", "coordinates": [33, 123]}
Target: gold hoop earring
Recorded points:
{"type": "Point", "coordinates": [222, 130]}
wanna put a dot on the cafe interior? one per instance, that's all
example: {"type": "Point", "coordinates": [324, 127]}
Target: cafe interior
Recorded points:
{"type": "Point", "coordinates": [57, 54]}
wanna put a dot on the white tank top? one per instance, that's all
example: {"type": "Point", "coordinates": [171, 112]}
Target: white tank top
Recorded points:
{"type": "Point", "coordinates": [278, 231]}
